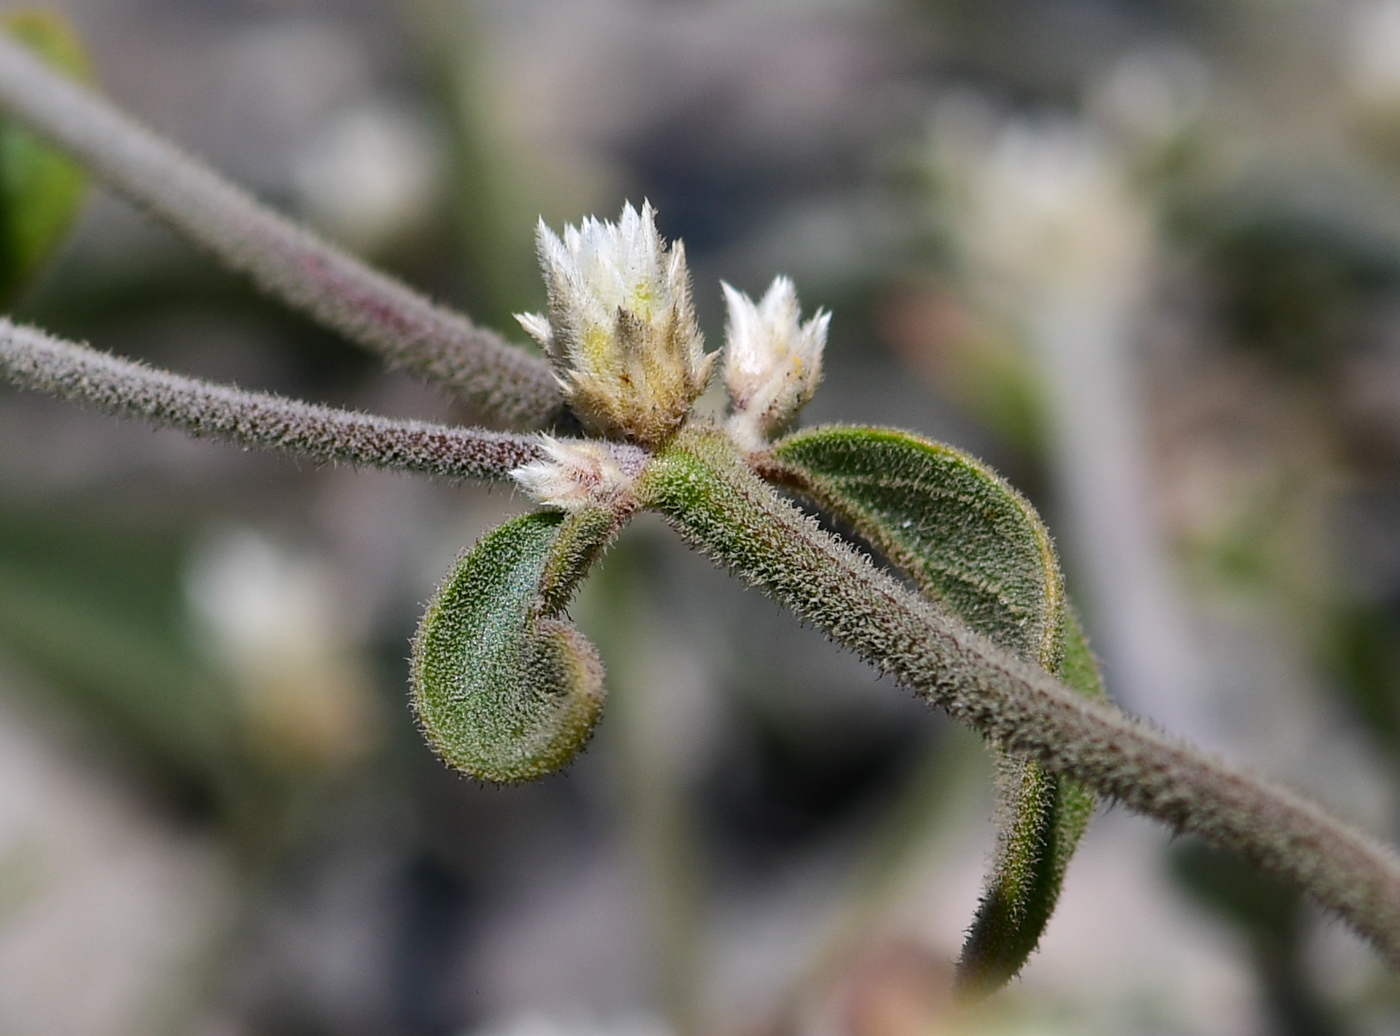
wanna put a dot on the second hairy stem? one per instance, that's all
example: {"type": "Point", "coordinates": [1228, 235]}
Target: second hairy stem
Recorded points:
{"type": "Point", "coordinates": [508, 386]}
{"type": "Point", "coordinates": [701, 485]}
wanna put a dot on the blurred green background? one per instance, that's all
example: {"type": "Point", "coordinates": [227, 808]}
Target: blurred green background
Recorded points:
{"type": "Point", "coordinates": [1143, 256]}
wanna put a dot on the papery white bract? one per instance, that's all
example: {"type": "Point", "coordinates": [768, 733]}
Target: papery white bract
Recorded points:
{"type": "Point", "coordinates": [579, 473]}
{"type": "Point", "coordinates": [621, 328]}
{"type": "Point", "coordinates": [773, 362]}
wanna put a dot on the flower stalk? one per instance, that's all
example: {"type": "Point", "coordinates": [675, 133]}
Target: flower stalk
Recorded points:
{"type": "Point", "coordinates": [508, 387]}
{"type": "Point", "coordinates": [35, 360]}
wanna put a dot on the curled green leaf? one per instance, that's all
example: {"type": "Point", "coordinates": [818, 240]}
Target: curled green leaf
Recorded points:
{"type": "Point", "coordinates": [971, 542]}
{"type": "Point", "coordinates": [41, 189]}
{"type": "Point", "coordinates": [503, 688]}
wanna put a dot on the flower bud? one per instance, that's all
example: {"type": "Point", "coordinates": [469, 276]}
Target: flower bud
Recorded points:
{"type": "Point", "coordinates": [579, 473]}
{"type": "Point", "coordinates": [773, 362]}
{"type": "Point", "coordinates": [621, 326]}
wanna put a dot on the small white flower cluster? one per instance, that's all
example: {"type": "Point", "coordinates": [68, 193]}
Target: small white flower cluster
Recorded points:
{"type": "Point", "coordinates": [621, 326]}
{"type": "Point", "coordinates": [622, 335]}
{"type": "Point", "coordinates": [773, 361]}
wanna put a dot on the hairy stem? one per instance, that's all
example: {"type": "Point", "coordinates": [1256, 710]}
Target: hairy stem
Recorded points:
{"type": "Point", "coordinates": [506, 384]}
{"type": "Point", "coordinates": [32, 359]}
{"type": "Point", "coordinates": [702, 486]}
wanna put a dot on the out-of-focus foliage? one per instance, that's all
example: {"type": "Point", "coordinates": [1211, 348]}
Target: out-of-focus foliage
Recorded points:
{"type": "Point", "coordinates": [100, 611]}
{"type": "Point", "coordinates": [1364, 650]}
{"type": "Point", "coordinates": [1273, 920]}
{"type": "Point", "coordinates": [41, 190]}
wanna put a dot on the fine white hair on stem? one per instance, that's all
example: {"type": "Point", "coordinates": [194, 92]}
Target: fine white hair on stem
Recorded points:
{"type": "Point", "coordinates": [505, 383]}
{"type": "Point", "coordinates": [35, 360]}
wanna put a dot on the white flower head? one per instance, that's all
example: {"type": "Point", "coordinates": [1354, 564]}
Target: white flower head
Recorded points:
{"type": "Point", "coordinates": [579, 473]}
{"type": "Point", "coordinates": [773, 362]}
{"type": "Point", "coordinates": [621, 328]}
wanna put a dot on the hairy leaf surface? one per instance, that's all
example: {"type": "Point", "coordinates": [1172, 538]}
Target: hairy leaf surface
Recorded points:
{"type": "Point", "coordinates": [41, 189]}
{"type": "Point", "coordinates": [505, 690]}
{"type": "Point", "coordinates": [971, 542]}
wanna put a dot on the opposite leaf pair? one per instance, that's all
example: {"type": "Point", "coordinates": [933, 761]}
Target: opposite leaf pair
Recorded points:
{"type": "Point", "coordinates": [507, 691]}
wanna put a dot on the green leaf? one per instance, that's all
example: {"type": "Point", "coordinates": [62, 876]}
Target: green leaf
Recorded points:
{"type": "Point", "coordinates": [1041, 818]}
{"type": "Point", "coordinates": [504, 690]}
{"type": "Point", "coordinates": [41, 189]}
{"type": "Point", "coordinates": [971, 542]}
